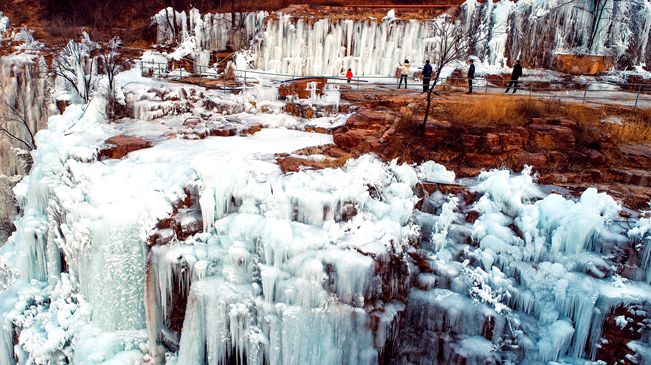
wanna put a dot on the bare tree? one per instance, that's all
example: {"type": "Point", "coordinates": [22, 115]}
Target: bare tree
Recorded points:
{"type": "Point", "coordinates": [16, 121]}
{"type": "Point", "coordinates": [452, 41]}
{"type": "Point", "coordinates": [75, 64]}
{"type": "Point", "coordinates": [112, 66]}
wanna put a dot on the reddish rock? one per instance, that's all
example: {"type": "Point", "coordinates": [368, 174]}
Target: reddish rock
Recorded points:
{"type": "Point", "coordinates": [631, 176]}
{"type": "Point", "coordinates": [470, 141]}
{"type": "Point", "coordinates": [492, 142]}
{"type": "Point", "coordinates": [62, 105]}
{"type": "Point", "coordinates": [472, 216]}
{"type": "Point", "coordinates": [636, 156]}
{"type": "Point", "coordinates": [550, 137]}
{"type": "Point", "coordinates": [299, 87]}
{"type": "Point", "coordinates": [618, 334]}
{"type": "Point", "coordinates": [251, 130]}
{"type": "Point", "coordinates": [119, 146]}
{"type": "Point", "coordinates": [511, 142]}
{"type": "Point", "coordinates": [187, 223]}
{"type": "Point", "coordinates": [596, 157]}
{"type": "Point", "coordinates": [293, 164]}
{"type": "Point", "coordinates": [581, 64]}
{"type": "Point", "coordinates": [536, 159]}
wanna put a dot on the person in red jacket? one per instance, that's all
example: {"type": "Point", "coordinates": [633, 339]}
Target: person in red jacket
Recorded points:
{"type": "Point", "coordinates": [349, 75]}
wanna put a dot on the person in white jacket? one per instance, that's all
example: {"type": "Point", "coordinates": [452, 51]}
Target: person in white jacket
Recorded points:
{"type": "Point", "coordinates": [404, 72]}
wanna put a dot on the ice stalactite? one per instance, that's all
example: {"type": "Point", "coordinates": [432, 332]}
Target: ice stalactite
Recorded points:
{"type": "Point", "coordinates": [594, 27]}
{"type": "Point", "coordinates": [641, 234]}
{"type": "Point", "coordinates": [541, 274]}
{"type": "Point", "coordinates": [23, 84]}
{"type": "Point", "coordinates": [4, 24]}
{"type": "Point", "coordinates": [209, 32]}
{"type": "Point", "coordinates": [285, 269]}
{"type": "Point", "coordinates": [329, 47]}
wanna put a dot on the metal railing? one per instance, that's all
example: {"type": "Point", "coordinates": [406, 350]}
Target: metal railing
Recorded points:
{"type": "Point", "coordinates": [593, 92]}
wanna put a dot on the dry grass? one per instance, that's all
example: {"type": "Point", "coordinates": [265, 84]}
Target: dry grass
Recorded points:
{"type": "Point", "coordinates": [498, 110]}
{"type": "Point", "coordinates": [634, 124]}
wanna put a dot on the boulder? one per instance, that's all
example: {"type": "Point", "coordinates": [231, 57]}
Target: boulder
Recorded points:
{"type": "Point", "coordinates": [119, 146]}
{"type": "Point", "coordinates": [548, 137]}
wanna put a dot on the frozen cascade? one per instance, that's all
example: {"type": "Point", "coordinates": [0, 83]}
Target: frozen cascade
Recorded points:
{"type": "Point", "coordinates": [521, 30]}
{"type": "Point", "coordinates": [210, 32]}
{"type": "Point", "coordinates": [23, 86]}
{"type": "Point", "coordinates": [508, 30]}
{"type": "Point", "coordinates": [329, 47]}
{"type": "Point", "coordinates": [285, 266]}
{"type": "Point", "coordinates": [332, 266]}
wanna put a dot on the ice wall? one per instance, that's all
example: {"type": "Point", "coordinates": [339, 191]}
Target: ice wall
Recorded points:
{"type": "Point", "coordinates": [533, 31]}
{"type": "Point", "coordinates": [329, 47]}
{"type": "Point", "coordinates": [4, 25]}
{"type": "Point", "coordinates": [544, 277]}
{"type": "Point", "coordinates": [211, 31]}
{"type": "Point", "coordinates": [282, 277]}
{"type": "Point", "coordinates": [24, 88]}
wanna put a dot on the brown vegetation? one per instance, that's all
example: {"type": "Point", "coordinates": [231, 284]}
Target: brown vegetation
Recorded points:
{"type": "Point", "coordinates": [624, 124]}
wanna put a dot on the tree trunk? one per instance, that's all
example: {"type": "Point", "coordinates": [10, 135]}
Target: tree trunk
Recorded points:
{"type": "Point", "coordinates": [429, 100]}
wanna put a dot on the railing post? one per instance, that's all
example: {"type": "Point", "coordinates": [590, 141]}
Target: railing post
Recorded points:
{"type": "Point", "coordinates": [486, 86]}
{"type": "Point", "coordinates": [637, 98]}
{"type": "Point", "coordinates": [245, 78]}
{"type": "Point", "coordinates": [199, 75]}
{"type": "Point", "coordinates": [585, 94]}
{"type": "Point", "coordinates": [159, 73]}
{"type": "Point", "coordinates": [357, 83]}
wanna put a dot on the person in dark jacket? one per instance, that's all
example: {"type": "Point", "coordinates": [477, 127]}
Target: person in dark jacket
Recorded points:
{"type": "Point", "coordinates": [515, 75]}
{"type": "Point", "coordinates": [427, 75]}
{"type": "Point", "coordinates": [471, 75]}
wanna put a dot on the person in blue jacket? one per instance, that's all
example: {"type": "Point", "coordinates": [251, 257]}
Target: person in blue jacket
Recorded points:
{"type": "Point", "coordinates": [427, 75]}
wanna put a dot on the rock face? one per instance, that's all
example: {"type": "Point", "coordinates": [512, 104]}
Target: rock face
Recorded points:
{"type": "Point", "coordinates": [582, 64]}
{"type": "Point", "coordinates": [119, 146]}
{"type": "Point", "coordinates": [550, 145]}
{"type": "Point", "coordinates": [302, 87]}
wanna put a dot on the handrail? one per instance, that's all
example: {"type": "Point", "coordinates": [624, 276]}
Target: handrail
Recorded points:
{"type": "Point", "coordinates": [483, 84]}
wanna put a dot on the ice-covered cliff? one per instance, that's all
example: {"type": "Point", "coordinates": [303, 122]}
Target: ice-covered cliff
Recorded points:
{"type": "Point", "coordinates": [23, 111]}
{"type": "Point", "coordinates": [199, 250]}
{"type": "Point", "coordinates": [535, 30]}
{"type": "Point", "coordinates": [532, 30]}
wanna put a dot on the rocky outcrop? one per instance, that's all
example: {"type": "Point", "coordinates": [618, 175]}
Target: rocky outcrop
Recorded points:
{"type": "Point", "coordinates": [575, 64]}
{"type": "Point", "coordinates": [561, 151]}
{"type": "Point", "coordinates": [119, 146]}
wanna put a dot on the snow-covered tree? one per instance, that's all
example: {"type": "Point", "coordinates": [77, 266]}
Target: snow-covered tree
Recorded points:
{"type": "Point", "coordinates": [112, 66]}
{"type": "Point", "coordinates": [75, 64]}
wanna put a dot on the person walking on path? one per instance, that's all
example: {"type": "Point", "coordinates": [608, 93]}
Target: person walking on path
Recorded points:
{"type": "Point", "coordinates": [349, 75]}
{"type": "Point", "coordinates": [404, 73]}
{"type": "Point", "coordinates": [471, 75]}
{"type": "Point", "coordinates": [427, 75]}
{"type": "Point", "coordinates": [515, 75]}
